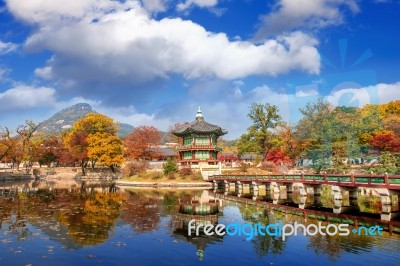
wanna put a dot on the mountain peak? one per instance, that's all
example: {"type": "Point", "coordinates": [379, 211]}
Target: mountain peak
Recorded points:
{"type": "Point", "coordinates": [65, 118]}
{"type": "Point", "coordinates": [83, 106]}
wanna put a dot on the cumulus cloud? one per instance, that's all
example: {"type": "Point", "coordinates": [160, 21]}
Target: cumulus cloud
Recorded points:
{"type": "Point", "coordinates": [315, 14]}
{"type": "Point", "coordinates": [101, 44]}
{"type": "Point", "coordinates": [7, 47]}
{"type": "Point", "coordinates": [388, 92]}
{"type": "Point", "coordinates": [200, 3]}
{"type": "Point", "coordinates": [359, 96]}
{"type": "Point", "coordinates": [26, 97]}
{"type": "Point", "coordinates": [155, 6]}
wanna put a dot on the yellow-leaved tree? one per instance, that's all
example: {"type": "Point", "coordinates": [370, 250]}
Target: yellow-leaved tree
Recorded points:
{"type": "Point", "coordinates": [93, 137]}
{"type": "Point", "coordinates": [105, 148]}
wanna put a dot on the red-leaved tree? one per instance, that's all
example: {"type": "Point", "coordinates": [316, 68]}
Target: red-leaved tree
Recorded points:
{"type": "Point", "coordinates": [386, 142]}
{"type": "Point", "coordinates": [278, 157]}
{"type": "Point", "coordinates": [142, 143]}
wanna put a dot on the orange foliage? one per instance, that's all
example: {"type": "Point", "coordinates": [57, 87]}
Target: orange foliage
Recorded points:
{"type": "Point", "coordinates": [278, 157]}
{"type": "Point", "coordinates": [386, 142]}
{"type": "Point", "coordinates": [141, 143]}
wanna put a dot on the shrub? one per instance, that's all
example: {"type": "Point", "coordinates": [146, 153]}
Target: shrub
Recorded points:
{"type": "Point", "coordinates": [170, 167]}
{"type": "Point", "coordinates": [171, 176]}
{"type": "Point", "coordinates": [268, 166]}
{"type": "Point", "coordinates": [383, 169]}
{"type": "Point", "coordinates": [157, 175]}
{"type": "Point", "coordinates": [185, 171]}
{"type": "Point", "coordinates": [134, 168]}
{"type": "Point", "coordinates": [196, 176]}
{"type": "Point", "coordinates": [243, 167]}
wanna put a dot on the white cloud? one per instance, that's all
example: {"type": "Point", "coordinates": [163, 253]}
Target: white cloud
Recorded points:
{"type": "Point", "coordinates": [200, 3]}
{"type": "Point", "coordinates": [308, 90]}
{"type": "Point", "coordinates": [376, 94]}
{"type": "Point", "coordinates": [100, 44]}
{"type": "Point", "coordinates": [388, 92]}
{"type": "Point", "coordinates": [289, 15]}
{"type": "Point", "coordinates": [155, 6]}
{"type": "Point", "coordinates": [26, 97]}
{"type": "Point", "coordinates": [7, 47]}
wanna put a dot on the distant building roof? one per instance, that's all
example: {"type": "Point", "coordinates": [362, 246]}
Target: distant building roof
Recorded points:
{"type": "Point", "coordinates": [228, 155]}
{"type": "Point", "coordinates": [164, 151]}
{"type": "Point", "coordinates": [200, 126]}
{"type": "Point", "coordinates": [248, 156]}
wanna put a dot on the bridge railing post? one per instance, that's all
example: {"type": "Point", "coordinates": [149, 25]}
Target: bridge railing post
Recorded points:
{"type": "Point", "coordinates": [352, 179]}
{"type": "Point", "coordinates": [302, 176]}
{"type": "Point", "coordinates": [386, 179]}
{"type": "Point", "coordinates": [325, 179]}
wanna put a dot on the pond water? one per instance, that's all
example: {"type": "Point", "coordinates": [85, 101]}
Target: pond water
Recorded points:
{"type": "Point", "coordinates": [53, 223]}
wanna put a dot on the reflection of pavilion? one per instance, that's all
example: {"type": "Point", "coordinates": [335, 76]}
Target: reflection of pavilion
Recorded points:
{"type": "Point", "coordinates": [203, 205]}
{"type": "Point", "coordinates": [204, 210]}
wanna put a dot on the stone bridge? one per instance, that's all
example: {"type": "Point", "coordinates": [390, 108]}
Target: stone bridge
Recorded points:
{"type": "Point", "coordinates": [305, 190]}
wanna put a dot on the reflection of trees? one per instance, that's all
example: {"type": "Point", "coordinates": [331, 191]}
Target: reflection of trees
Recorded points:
{"type": "Point", "coordinates": [263, 245]}
{"type": "Point", "coordinates": [88, 218]}
{"type": "Point", "coordinates": [142, 211]}
{"type": "Point", "coordinates": [15, 222]}
{"type": "Point", "coordinates": [333, 246]}
{"type": "Point", "coordinates": [92, 223]}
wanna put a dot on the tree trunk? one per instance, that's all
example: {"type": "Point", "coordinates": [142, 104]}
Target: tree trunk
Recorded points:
{"type": "Point", "coordinates": [93, 164]}
{"type": "Point", "coordinates": [112, 168]}
{"type": "Point", "coordinates": [83, 167]}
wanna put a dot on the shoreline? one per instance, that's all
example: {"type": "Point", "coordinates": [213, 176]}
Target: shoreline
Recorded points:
{"type": "Point", "coordinates": [164, 184]}
{"type": "Point", "coordinates": [16, 177]}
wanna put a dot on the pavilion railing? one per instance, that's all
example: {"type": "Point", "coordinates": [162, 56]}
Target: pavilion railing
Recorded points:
{"type": "Point", "coordinates": [199, 147]}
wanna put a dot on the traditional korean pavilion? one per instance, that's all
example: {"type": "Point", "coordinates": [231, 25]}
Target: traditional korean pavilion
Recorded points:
{"type": "Point", "coordinates": [199, 142]}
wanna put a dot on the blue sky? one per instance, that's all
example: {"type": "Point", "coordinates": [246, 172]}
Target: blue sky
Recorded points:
{"type": "Point", "coordinates": [155, 61]}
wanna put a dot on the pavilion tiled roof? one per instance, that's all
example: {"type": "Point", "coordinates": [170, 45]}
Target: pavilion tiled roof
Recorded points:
{"type": "Point", "coordinates": [199, 126]}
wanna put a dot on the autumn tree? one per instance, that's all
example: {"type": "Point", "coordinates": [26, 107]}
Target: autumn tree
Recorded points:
{"type": "Point", "coordinates": [105, 148]}
{"type": "Point", "coordinates": [386, 142]}
{"type": "Point", "coordinates": [14, 147]}
{"type": "Point", "coordinates": [141, 142]}
{"type": "Point", "coordinates": [286, 141]}
{"type": "Point", "coordinates": [47, 149]}
{"type": "Point", "coordinates": [6, 143]}
{"type": "Point", "coordinates": [78, 139]}
{"type": "Point", "coordinates": [277, 157]}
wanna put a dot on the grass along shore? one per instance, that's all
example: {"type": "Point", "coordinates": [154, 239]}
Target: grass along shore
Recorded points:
{"type": "Point", "coordinates": [158, 177]}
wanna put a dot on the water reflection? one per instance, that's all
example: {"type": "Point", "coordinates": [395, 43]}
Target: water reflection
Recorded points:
{"type": "Point", "coordinates": [81, 214]}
